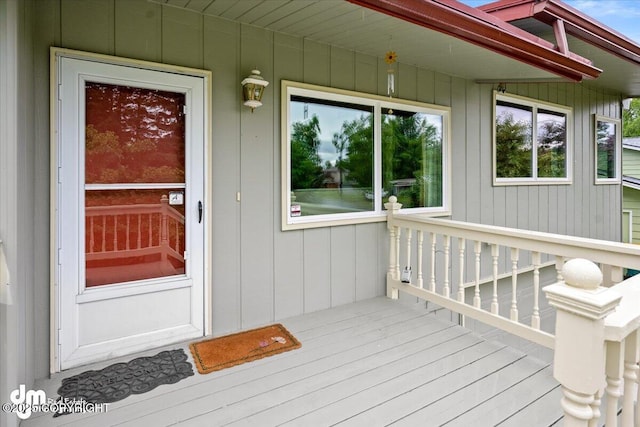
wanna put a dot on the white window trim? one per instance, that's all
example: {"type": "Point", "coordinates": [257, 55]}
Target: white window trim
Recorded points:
{"type": "Point", "coordinates": [618, 160]}
{"type": "Point", "coordinates": [535, 104]}
{"type": "Point", "coordinates": [289, 88]}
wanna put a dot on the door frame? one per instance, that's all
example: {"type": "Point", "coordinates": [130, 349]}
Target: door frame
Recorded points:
{"type": "Point", "coordinates": [55, 294]}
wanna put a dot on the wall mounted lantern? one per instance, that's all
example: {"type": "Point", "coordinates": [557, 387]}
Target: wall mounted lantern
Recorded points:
{"type": "Point", "coordinates": [253, 89]}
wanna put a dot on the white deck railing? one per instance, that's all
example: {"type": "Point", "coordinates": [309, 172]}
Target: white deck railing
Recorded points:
{"type": "Point", "coordinates": [443, 254]}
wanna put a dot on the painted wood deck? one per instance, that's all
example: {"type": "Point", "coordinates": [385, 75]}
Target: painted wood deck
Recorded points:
{"type": "Point", "coordinates": [374, 363]}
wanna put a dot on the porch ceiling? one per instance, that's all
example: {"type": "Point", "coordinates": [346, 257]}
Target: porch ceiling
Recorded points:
{"type": "Point", "coordinates": [346, 25]}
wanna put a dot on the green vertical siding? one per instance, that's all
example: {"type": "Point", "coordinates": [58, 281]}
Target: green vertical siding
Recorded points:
{"type": "Point", "coordinates": [631, 201]}
{"type": "Point", "coordinates": [631, 163]}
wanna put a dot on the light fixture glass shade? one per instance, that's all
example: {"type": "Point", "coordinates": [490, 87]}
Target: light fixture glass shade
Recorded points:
{"type": "Point", "coordinates": [253, 89]}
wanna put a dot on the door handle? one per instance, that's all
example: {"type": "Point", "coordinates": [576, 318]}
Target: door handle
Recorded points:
{"type": "Point", "coordinates": [199, 211]}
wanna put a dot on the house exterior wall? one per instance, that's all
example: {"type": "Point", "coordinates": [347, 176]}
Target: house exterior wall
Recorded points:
{"type": "Point", "coordinates": [631, 201]}
{"type": "Point", "coordinates": [630, 196]}
{"type": "Point", "coordinates": [19, 326]}
{"type": "Point", "coordinates": [261, 274]}
{"type": "Point", "coordinates": [631, 162]}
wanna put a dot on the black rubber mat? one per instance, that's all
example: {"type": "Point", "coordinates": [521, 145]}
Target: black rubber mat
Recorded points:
{"type": "Point", "coordinates": [117, 381]}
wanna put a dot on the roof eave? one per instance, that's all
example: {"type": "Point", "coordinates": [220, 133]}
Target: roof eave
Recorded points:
{"type": "Point", "coordinates": [480, 28]}
{"type": "Point", "coordinates": [576, 23]}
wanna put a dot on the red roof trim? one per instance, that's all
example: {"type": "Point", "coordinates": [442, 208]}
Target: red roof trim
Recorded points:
{"type": "Point", "coordinates": [480, 28]}
{"type": "Point", "coordinates": [575, 22]}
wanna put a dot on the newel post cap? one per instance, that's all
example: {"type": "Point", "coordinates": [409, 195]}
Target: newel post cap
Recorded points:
{"type": "Point", "coordinates": [393, 205]}
{"type": "Point", "coordinates": [582, 273]}
{"type": "Point", "coordinates": [580, 293]}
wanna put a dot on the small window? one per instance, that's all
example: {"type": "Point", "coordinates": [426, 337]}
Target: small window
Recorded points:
{"type": "Point", "coordinates": [607, 148]}
{"type": "Point", "coordinates": [532, 142]}
{"type": "Point", "coordinates": [344, 154]}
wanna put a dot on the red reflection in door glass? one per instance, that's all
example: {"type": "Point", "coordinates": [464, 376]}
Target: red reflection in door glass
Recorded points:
{"type": "Point", "coordinates": [132, 235]}
{"type": "Point", "coordinates": [133, 136]}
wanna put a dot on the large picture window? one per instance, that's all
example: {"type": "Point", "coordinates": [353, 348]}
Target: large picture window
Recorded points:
{"type": "Point", "coordinates": [532, 141]}
{"type": "Point", "coordinates": [344, 153]}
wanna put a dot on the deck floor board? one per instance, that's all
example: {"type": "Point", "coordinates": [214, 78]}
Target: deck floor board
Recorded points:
{"type": "Point", "coordinates": [371, 363]}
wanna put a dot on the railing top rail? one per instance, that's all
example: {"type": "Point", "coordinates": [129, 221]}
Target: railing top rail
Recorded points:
{"type": "Point", "coordinates": [155, 207]}
{"type": "Point", "coordinates": [133, 209]}
{"type": "Point", "coordinates": [626, 318]}
{"type": "Point", "coordinates": [602, 251]}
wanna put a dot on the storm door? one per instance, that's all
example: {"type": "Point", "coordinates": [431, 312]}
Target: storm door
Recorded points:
{"type": "Point", "coordinates": [130, 192]}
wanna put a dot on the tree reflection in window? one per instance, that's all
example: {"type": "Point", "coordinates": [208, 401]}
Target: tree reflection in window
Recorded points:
{"type": "Point", "coordinates": [606, 145]}
{"type": "Point", "coordinates": [531, 141]}
{"type": "Point", "coordinates": [332, 165]}
{"type": "Point", "coordinates": [331, 155]}
{"type": "Point", "coordinates": [412, 157]}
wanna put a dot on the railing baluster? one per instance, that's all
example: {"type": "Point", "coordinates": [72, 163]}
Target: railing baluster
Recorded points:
{"type": "Point", "coordinates": [495, 308]}
{"type": "Point", "coordinates": [128, 229]}
{"type": "Point", "coordinates": [595, 407]}
{"type": "Point", "coordinates": [461, 247]}
{"type": "Point", "coordinates": [177, 236]}
{"type": "Point", "coordinates": [91, 235]}
{"type": "Point", "coordinates": [115, 232]}
{"type": "Point", "coordinates": [514, 284]}
{"type": "Point", "coordinates": [637, 421]}
{"type": "Point", "coordinates": [613, 370]}
{"type": "Point", "coordinates": [446, 291]}
{"type": "Point", "coordinates": [139, 231]}
{"type": "Point", "coordinates": [477, 249]}
{"type": "Point", "coordinates": [104, 233]}
{"type": "Point", "coordinates": [150, 243]}
{"type": "Point", "coordinates": [432, 282]}
{"type": "Point", "coordinates": [535, 317]}
{"type": "Point", "coordinates": [396, 272]}
{"type": "Point", "coordinates": [630, 376]}
{"type": "Point", "coordinates": [420, 243]}
{"type": "Point", "coordinates": [559, 265]}
{"type": "Point", "coordinates": [409, 236]}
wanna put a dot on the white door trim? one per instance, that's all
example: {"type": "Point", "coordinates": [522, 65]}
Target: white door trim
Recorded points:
{"type": "Point", "coordinates": [55, 295]}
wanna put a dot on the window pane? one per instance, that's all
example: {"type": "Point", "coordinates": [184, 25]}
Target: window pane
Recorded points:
{"type": "Point", "coordinates": [552, 144]}
{"type": "Point", "coordinates": [331, 150]}
{"type": "Point", "coordinates": [133, 135]}
{"type": "Point", "coordinates": [514, 124]}
{"type": "Point", "coordinates": [412, 158]}
{"type": "Point", "coordinates": [606, 147]}
{"type": "Point", "coordinates": [133, 235]}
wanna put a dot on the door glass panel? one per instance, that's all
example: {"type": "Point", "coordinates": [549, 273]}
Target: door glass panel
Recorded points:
{"type": "Point", "coordinates": [134, 147]}
{"type": "Point", "coordinates": [133, 235]}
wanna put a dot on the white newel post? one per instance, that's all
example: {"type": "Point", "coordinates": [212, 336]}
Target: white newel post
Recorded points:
{"type": "Point", "coordinates": [579, 358]}
{"type": "Point", "coordinates": [393, 273]}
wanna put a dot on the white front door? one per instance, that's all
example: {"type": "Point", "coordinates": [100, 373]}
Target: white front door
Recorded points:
{"type": "Point", "coordinates": [129, 209]}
